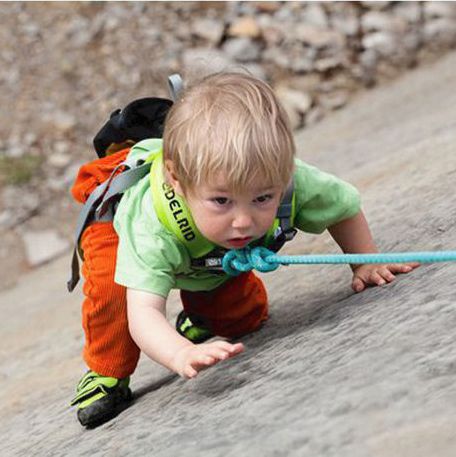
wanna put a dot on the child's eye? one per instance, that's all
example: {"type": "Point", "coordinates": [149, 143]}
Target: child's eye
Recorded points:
{"type": "Point", "coordinates": [263, 198]}
{"type": "Point", "coordinates": [220, 200]}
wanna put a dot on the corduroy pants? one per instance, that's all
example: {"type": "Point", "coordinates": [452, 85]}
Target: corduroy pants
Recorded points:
{"type": "Point", "coordinates": [237, 307]}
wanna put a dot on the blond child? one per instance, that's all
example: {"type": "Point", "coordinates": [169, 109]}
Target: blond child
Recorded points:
{"type": "Point", "coordinates": [217, 179]}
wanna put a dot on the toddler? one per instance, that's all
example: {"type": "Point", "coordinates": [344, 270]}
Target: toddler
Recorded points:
{"type": "Point", "coordinates": [222, 178]}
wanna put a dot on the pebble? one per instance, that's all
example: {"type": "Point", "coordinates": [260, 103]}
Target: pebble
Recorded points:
{"type": "Point", "coordinates": [245, 27]}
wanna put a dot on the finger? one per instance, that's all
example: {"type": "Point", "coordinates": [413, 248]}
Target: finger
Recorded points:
{"type": "Point", "coordinates": [358, 284]}
{"type": "Point", "coordinates": [203, 360]}
{"type": "Point", "coordinates": [237, 348]}
{"type": "Point", "coordinates": [217, 353]}
{"type": "Point", "coordinates": [189, 372]}
{"type": "Point", "coordinates": [386, 274]}
{"type": "Point", "coordinates": [375, 278]}
{"type": "Point", "coordinates": [407, 267]}
{"type": "Point", "coordinates": [229, 347]}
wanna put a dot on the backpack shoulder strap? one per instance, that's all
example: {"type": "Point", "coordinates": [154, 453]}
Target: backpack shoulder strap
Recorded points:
{"type": "Point", "coordinates": [99, 205]}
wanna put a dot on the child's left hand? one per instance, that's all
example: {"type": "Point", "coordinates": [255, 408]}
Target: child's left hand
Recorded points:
{"type": "Point", "coordinates": [378, 274]}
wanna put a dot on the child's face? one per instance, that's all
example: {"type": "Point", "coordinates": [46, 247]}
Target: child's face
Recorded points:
{"type": "Point", "coordinates": [230, 220]}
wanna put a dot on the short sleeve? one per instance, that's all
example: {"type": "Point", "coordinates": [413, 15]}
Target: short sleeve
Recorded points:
{"type": "Point", "coordinates": [322, 199]}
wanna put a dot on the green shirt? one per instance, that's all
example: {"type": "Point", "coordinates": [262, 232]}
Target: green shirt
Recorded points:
{"type": "Point", "coordinates": [152, 259]}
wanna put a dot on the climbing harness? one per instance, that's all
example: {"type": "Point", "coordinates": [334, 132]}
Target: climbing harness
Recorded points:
{"type": "Point", "coordinates": [262, 259]}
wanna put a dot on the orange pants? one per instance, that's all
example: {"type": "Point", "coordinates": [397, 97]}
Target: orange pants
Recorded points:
{"type": "Point", "coordinates": [237, 307]}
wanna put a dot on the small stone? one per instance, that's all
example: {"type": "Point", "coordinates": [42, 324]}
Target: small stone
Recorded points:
{"type": "Point", "coordinates": [59, 160]}
{"type": "Point", "coordinates": [314, 14]}
{"type": "Point", "coordinates": [328, 63]}
{"type": "Point", "coordinates": [277, 56]}
{"type": "Point", "coordinates": [272, 35]}
{"type": "Point", "coordinates": [318, 37]}
{"type": "Point", "coordinates": [60, 121]}
{"type": "Point", "coordinates": [439, 10]}
{"type": "Point", "coordinates": [301, 101]}
{"type": "Point", "coordinates": [348, 25]}
{"type": "Point", "coordinates": [374, 21]}
{"type": "Point", "coordinates": [267, 7]}
{"type": "Point", "coordinates": [410, 11]}
{"type": "Point", "coordinates": [43, 246]}
{"type": "Point", "coordinates": [242, 49]}
{"type": "Point", "coordinates": [334, 100]}
{"type": "Point", "coordinates": [314, 116]}
{"type": "Point", "coordinates": [380, 5]}
{"type": "Point", "coordinates": [202, 61]}
{"type": "Point", "coordinates": [6, 217]}
{"type": "Point", "coordinates": [305, 83]}
{"type": "Point", "coordinates": [442, 30]}
{"type": "Point", "coordinates": [369, 58]}
{"type": "Point", "coordinates": [385, 43]}
{"type": "Point", "coordinates": [256, 70]}
{"type": "Point", "coordinates": [245, 27]}
{"type": "Point", "coordinates": [209, 29]}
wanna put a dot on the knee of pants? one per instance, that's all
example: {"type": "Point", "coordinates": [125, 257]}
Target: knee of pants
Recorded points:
{"type": "Point", "coordinates": [237, 307]}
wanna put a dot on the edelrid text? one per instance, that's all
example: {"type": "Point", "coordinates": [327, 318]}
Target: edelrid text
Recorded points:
{"type": "Point", "coordinates": [176, 211]}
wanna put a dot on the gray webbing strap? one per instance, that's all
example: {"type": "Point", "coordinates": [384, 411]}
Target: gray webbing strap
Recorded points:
{"type": "Point", "coordinates": [97, 205]}
{"type": "Point", "coordinates": [120, 184]}
{"type": "Point", "coordinates": [175, 85]}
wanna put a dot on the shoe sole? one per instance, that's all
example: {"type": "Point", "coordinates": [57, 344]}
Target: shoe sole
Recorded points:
{"type": "Point", "coordinates": [104, 409]}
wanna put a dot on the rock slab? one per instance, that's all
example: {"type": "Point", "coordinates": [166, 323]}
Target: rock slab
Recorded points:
{"type": "Point", "coordinates": [332, 373]}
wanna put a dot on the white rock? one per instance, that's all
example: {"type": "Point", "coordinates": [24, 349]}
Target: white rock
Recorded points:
{"type": "Point", "coordinates": [314, 14]}
{"type": "Point", "coordinates": [318, 37]}
{"type": "Point", "coordinates": [439, 10]}
{"type": "Point", "coordinates": [202, 61]}
{"type": "Point", "coordinates": [59, 160]}
{"type": "Point", "coordinates": [442, 30]}
{"type": "Point", "coordinates": [374, 21]}
{"type": "Point", "coordinates": [61, 121]}
{"type": "Point", "coordinates": [209, 29]}
{"type": "Point", "coordinates": [384, 43]}
{"type": "Point", "coordinates": [334, 100]}
{"type": "Point", "coordinates": [315, 115]}
{"type": "Point", "coordinates": [380, 5]}
{"type": "Point", "coordinates": [410, 11]}
{"type": "Point", "coordinates": [255, 69]}
{"type": "Point", "coordinates": [242, 49]}
{"type": "Point", "coordinates": [328, 63]}
{"type": "Point", "coordinates": [301, 101]}
{"type": "Point", "coordinates": [348, 25]}
{"type": "Point", "coordinates": [43, 246]}
{"type": "Point", "coordinates": [277, 56]}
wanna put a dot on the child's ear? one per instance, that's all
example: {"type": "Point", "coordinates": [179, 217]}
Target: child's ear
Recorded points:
{"type": "Point", "coordinates": [171, 177]}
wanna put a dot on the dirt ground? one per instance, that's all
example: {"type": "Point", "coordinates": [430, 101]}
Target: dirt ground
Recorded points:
{"type": "Point", "coordinates": [332, 373]}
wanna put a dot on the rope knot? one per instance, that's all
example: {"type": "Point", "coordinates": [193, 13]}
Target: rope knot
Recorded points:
{"type": "Point", "coordinates": [242, 260]}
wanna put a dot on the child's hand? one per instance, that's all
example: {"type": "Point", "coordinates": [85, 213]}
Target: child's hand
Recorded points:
{"type": "Point", "coordinates": [378, 274]}
{"type": "Point", "coordinates": [190, 360]}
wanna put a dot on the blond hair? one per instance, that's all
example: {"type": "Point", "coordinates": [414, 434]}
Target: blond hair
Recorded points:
{"type": "Point", "coordinates": [229, 123]}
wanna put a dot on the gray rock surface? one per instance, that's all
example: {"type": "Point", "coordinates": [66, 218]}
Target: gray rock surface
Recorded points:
{"type": "Point", "coordinates": [332, 373]}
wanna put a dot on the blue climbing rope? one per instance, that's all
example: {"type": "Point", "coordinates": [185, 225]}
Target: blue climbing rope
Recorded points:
{"type": "Point", "coordinates": [262, 259]}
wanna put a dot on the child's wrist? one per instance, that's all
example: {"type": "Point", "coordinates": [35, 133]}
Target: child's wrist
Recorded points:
{"type": "Point", "coordinates": [177, 362]}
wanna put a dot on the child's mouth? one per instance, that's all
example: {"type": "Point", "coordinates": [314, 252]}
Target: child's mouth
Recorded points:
{"type": "Point", "coordinates": [239, 242]}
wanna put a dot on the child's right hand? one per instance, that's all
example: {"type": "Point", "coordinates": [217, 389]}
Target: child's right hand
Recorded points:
{"type": "Point", "coordinates": [190, 360]}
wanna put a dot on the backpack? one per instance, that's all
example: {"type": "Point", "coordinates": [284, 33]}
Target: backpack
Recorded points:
{"type": "Point", "coordinates": [101, 183]}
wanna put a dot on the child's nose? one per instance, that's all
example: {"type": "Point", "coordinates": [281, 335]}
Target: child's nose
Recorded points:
{"type": "Point", "coordinates": [242, 220]}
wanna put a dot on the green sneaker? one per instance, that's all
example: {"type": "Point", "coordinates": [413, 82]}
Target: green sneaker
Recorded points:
{"type": "Point", "coordinates": [100, 398]}
{"type": "Point", "coordinates": [189, 330]}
